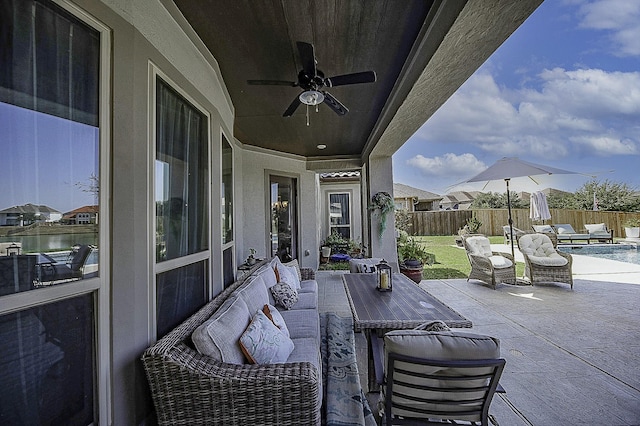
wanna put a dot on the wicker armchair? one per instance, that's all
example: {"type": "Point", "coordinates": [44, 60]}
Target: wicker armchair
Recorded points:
{"type": "Point", "coordinates": [543, 263]}
{"type": "Point", "coordinates": [486, 265]}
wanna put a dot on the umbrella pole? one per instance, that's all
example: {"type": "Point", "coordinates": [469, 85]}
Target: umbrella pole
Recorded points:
{"type": "Point", "coordinates": [510, 220]}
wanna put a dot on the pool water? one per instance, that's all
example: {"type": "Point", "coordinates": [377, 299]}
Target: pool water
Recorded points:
{"type": "Point", "coordinates": [621, 252]}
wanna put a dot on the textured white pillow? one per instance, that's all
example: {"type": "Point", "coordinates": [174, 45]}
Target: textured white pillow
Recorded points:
{"type": "Point", "coordinates": [276, 318]}
{"type": "Point", "coordinates": [598, 227]}
{"type": "Point", "coordinates": [565, 229]}
{"type": "Point", "coordinates": [542, 228]}
{"type": "Point", "coordinates": [263, 343]}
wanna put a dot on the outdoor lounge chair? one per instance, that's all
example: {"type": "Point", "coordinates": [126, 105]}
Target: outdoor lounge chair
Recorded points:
{"type": "Point", "coordinates": [435, 376]}
{"type": "Point", "coordinates": [543, 263]}
{"type": "Point", "coordinates": [565, 232]}
{"type": "Point", "coordinates": [486, 265]}
{"type": "Point", "coordinates": [517, 233]}
{"type": "Point", "coordinates": [73, 268]}
{"type": "Point", "coordinates": [599, 232]}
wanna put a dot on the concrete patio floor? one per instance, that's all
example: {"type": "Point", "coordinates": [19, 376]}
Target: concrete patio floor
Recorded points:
{"type": "Point", "coordinates": [573, 356]}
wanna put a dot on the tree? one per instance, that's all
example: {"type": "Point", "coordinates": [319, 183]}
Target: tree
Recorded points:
{"type": "Point", "coordinates": [610, 196]}
{"type": "Point", "coordinates": [495, 200]}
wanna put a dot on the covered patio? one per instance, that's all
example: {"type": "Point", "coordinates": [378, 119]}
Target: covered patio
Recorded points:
{"type": "Point", "coordinates": [571, 354]}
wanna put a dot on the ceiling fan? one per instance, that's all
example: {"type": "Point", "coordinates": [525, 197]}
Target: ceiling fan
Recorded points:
{"type": "Point", "coordinates": [312, 81]}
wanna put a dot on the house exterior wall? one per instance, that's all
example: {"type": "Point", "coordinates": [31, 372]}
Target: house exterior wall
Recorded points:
{"type": "Point", "coordinates": [256, 167]}
{"type": "Point", "coordinates": [353, 188]}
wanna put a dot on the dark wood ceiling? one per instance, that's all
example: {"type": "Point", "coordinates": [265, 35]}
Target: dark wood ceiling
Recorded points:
{"type": "Point", "coordinates": [256, 40]}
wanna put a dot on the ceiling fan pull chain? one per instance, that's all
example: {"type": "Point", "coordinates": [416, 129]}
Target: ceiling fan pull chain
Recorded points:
{"type": "Point", "coordinates": [307, 115]}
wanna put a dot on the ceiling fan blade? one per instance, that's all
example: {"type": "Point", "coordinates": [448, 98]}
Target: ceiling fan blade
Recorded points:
{"type": "Point", "coordinates": [334, 104]}
{"type": "Point", "coordinates": [307, 57]}
{"type": "Point", "coordinates": [292, 108]}
{"type": "Point", "coordinates": [272, 83]}
{"type": "Point", "coordinates": [355, 78]}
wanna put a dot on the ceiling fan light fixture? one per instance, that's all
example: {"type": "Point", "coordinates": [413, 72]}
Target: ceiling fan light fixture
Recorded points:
{"type": "Point", "coordinates": [311, 97]}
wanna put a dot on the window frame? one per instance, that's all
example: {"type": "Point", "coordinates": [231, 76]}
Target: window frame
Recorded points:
{"type": "Point", "coordinates": [350, 200]}
{"type": "Point", "coordinates": [154, 72]}
{"type": "Point", "coordinates": [99, 286]}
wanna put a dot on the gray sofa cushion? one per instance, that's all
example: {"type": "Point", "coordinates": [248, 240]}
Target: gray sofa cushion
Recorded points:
{"type": "Point", "coordinates": [306, 349]}
{"type": "Point", "coordinates": [218, 337]}
{"type": "Point", "coordinates": [307, 301]}
{"type": "Point", "coordinates": [308, 286]}
{"type": "Point", "coordinates": [254, 294]}
{"type": "Point", "coordinates": [302, 323]}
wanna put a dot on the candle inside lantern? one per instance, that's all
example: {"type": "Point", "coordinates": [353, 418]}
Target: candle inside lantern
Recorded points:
{"type": "Point", "coordinates": [384, 281]}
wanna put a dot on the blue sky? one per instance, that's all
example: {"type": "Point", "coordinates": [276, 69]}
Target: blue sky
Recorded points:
{"type": "Point", "coordinates": [563, 90]}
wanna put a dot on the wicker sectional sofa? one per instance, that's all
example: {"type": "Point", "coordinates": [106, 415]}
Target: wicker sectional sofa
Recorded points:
{"type": "Point", "coordinates": [222, 388]}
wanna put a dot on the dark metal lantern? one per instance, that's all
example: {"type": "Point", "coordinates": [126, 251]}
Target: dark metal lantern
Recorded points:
{"type": "Point", "coordinates": [384, 276]}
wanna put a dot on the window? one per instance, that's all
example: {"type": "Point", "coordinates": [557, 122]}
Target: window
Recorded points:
{"type": "Point", "coordinates": [228, 264]}
{"type": "Point", "coordinates": [340, 214]}
{"type": "Point", "coordinates": [182, 208]}
{"type": "Point", "coordinates": [51, 84]}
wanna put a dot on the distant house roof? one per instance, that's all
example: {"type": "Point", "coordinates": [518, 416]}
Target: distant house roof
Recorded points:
{"type": "Point", "coordinates": [406, 191]}
{"type": "Point", "coordinates": [463, 196]}
{"type": "Point", "coordinates": [83, 209]}
{"type": "Point", "coordinates": [29, 208]}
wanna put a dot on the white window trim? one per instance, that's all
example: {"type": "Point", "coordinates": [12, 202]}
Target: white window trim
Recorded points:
{"type": "Point", "coordinates": [158, 267]}
{"type": "Point", "coordinates": [231, 244]}
{"type": "Point", "coordinates": [329, 225]}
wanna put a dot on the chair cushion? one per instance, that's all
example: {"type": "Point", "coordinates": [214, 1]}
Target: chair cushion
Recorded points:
{"type": "Point", "coordinates": [542, 228]}
{"type": "Point", "coordinates": [500, 262]}
{"type": "Point", "coordinates": [565, 228]}
{"type": "Point", "coordinates": [218, 336]}
{"type": "Point", "coordinates": [441, 345]}
{"type": "Point", "coordinates": [263, 343]}
{"type": "Point", "coordinates": [536, 245]}
{"type": "Point", "coordinates": [596, 228]}
{"type": "Point", "coordinates": [554, 259]}
{"type": "Point", "coordinates": [254, 293]}
{"type": "Point", "coordinates": [479, 246]}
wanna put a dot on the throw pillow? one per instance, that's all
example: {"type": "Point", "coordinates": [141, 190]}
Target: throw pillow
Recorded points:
{"type": "Point", "coordinates": [296, 265]}
{"type": "Point", "coordinates": [284, 295]}
{"type": "Point", "coordinates": [263, 343]}
{"type": "Point", "coordinates": [276, 318]}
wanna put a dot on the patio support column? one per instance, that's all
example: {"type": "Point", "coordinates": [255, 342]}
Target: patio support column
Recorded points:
{"type": "Point", "coordinates": [379, 177]}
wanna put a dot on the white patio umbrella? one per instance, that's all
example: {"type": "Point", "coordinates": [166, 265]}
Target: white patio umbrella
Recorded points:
{"type": "Point", "coordinates": [511, 167]}
{"type": "Point", "coordinates": [538, 207]}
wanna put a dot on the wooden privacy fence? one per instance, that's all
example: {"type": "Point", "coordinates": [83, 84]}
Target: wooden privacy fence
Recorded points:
{"type": "Point", "coordinates": [448, 222]}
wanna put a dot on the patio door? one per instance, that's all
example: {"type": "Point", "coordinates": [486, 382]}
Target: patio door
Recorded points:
{"type": "Point", "coordinates": [283, 217]}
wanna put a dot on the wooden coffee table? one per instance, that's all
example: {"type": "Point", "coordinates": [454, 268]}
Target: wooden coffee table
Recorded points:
{"type": "Point", "coordinates": [406, 307]}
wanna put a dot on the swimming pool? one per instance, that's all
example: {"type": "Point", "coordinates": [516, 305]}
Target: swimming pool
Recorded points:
{"type": "Point", "coordinates": [621, 252]}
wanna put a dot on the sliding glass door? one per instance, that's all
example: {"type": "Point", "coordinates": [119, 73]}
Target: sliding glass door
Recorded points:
{"type": "Point", "coordinates": [284, 217]}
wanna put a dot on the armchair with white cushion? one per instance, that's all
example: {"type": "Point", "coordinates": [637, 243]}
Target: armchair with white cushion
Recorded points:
{"type": "Point", "coordinates": [543, 263]}
{"type": "Point", "coordinates": [486, 265]}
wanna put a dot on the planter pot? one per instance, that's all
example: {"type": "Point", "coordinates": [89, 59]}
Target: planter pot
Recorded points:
{"type": "Point", "coordinates": [633, 232]}
{"type": "Point", "coordinates": [251, 260]}
{"type": "Point", "coordinates": [413, 273]}
{"type": "Point", "coordinates": [412, 263]}
{"type": "Point", "coordinates": [326, 251]}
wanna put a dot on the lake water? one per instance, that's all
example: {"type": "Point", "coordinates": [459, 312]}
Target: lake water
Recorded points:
{"type": "Point", "coordinates": [621, 252]}
{"type": "Point", "coordinates": [48, 243]}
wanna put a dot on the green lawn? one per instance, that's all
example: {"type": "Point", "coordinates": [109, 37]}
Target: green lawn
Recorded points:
{"type": "Point", "coordinates": [451, 261]}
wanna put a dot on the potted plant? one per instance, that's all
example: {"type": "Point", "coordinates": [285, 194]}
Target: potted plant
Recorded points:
{"type": "Point", "coordinates": [472, 226]}
{"type": "Point", "coordinates": [632, 228]}
{"type": "Point", "coordinates": [412, 256]}
{"type": "Point", "coordinates": [251, 260]}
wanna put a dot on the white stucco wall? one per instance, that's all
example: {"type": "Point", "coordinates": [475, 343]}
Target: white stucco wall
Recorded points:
{"type": "Point", "coordinates": [256, 165]}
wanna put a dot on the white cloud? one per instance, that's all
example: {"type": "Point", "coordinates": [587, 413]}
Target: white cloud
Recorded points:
{"type": "Point", "coordinates": [621, 18]}
{"type": "Point", "coordinates": [449, 164]}
{"type": "Point", "coordinates": [572, 111]}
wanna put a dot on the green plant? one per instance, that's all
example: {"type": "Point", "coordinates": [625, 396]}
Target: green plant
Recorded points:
{"type": "Point", "coordinates": [413, 250]}
{"type": "Point", "coordinates": [382, 205]}
{"type": "Point", "coordinates": [632, 222]}
{"type": "Point", "coordinates": [473, 224]}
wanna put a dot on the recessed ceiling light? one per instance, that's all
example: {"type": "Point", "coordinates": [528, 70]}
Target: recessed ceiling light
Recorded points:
{"type": "Point", "coordinates": [321, 146]}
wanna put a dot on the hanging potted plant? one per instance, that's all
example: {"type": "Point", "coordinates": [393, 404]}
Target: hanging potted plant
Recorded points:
{"type": "Point", "coordinates": [382, 205]}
